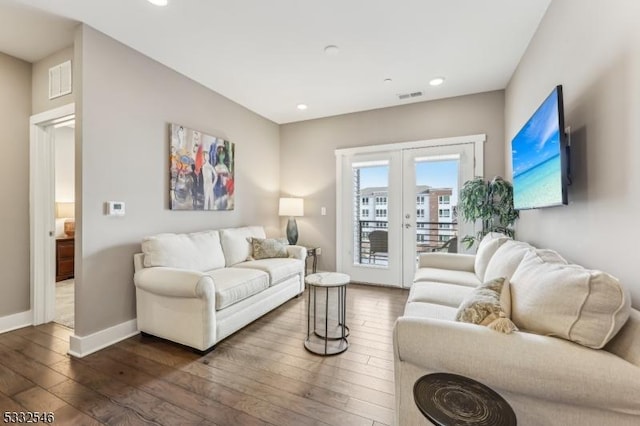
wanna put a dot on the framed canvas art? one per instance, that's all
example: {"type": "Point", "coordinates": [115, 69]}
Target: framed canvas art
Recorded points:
{"type": "Point", "coordinates": [201, 171]}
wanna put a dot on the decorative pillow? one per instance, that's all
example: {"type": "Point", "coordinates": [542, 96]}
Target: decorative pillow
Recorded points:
{"type": "Point", "coordinates": [235, 245]}
{"type": "Point", "coordinates": [506, 259]}
{"type": "Point", "coordinates": [267, 248]}
{"type": "Point", "coordinates": [551, 297]}
{"type": "Point", "coordinates": [482, 306]}
{"type": "Point", "coordinates": [200, 251]}
{"type": "Point", "coordinates": [486, 249]}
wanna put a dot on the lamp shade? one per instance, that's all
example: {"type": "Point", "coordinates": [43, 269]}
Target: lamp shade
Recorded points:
{"type": "Point", "coordinates": [65, 210]}
{"type": "Point", "coordinates": [291, 207]}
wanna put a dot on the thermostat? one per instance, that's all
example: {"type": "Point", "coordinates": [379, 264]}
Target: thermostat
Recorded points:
{"type": "Point", "coordinates": [115, 208]}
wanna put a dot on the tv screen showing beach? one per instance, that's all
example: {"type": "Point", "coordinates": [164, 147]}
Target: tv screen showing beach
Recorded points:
{"type": "Point", "coordinates": [537, 173]}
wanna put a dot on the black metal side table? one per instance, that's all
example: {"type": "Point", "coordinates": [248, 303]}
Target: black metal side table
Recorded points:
{"type": "Point", "coordinates": [449, 399]}
{"type": "Point", "coordinates": [326, 336]}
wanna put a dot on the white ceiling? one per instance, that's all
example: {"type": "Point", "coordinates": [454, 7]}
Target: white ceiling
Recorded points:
{"type": "Point", "coordinates": [269, 55]}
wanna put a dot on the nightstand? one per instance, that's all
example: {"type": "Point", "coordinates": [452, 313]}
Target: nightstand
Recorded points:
{"type": "Point", "coordinates": [311, 252]}
{"type": "Point", "coordinates": [65, 254]}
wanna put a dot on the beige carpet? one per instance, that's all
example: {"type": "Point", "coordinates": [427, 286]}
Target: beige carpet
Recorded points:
{"type": "Point", "coordinates": [65, 293]}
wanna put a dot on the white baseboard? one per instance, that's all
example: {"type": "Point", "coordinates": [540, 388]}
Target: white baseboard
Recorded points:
{"type": "Point", "coordinates": [15, 321]}
{"type": "Point", "coordinates": [81, 346]}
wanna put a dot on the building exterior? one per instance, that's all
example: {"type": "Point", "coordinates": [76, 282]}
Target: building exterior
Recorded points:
{"type": "Point", "coordinates": [435, 215]}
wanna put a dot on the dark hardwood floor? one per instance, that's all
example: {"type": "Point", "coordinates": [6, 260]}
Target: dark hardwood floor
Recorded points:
{"type": "Point", "coordinates": [261, 375]}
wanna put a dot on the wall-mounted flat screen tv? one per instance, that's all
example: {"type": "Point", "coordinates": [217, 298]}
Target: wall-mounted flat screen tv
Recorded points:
{"type": "Point", "coordinates": [539, 156]}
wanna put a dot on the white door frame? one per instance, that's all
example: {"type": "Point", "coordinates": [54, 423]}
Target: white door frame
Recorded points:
{"type": "Point", "coordinates": [41, 211]}
{"type": "Point", "coordinates": [478, 141]}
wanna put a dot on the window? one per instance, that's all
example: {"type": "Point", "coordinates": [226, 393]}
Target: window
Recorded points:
{"type": "Point", "coordinates": [381, 201]}
{"type": "Point", "coordinates": [444, 238]}
{"type": "Point", "coordinates": [365, 200]}
{"type": "Point", "coordinates": [420, 213]}
{"type": "Point", "coordinates": [444, 199]}
{"type": "Point", "coordinates": [444, 226]}
{"type": "Point", "coordinates": [420, 237]}
{"type": "Point", "coordinates": [365, 213]}
{"type": "Point", "coordinates": [420, 200]}
{"type": "Point", "coordinates": [444, 212]}
{"type": "Point", "coordinates": [381, 213]}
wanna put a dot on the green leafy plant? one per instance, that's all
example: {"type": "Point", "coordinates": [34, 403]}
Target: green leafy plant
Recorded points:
{"type": "Point", "coordinates": [488, 201]}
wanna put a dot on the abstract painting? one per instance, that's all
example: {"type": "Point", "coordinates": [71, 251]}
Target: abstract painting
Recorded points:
{"type": "Point", "coordinates": [201, 171]}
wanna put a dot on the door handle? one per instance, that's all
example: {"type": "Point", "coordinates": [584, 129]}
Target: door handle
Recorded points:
{"type": "Point", "coordinates": [407, 225]}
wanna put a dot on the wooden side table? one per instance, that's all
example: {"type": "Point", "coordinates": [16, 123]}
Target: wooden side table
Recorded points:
{"type": "Point", "coordinates": [450, 399]}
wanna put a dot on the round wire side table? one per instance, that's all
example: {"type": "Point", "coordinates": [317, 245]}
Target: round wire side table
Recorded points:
{"type": "Point", "coordinates": [326, 322]}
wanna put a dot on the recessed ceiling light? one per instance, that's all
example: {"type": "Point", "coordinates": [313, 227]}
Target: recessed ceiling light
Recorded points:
{"type": "Point", "coordinates": [302, 107]}
{"type": "Point", "coordinates": [437, 81]}
{"type": "Point", "coordinates": [387, 80]}
{"type": "Point", "coordinates": [331, 50]}
{"type": "Point", "coordinates": [159, 2]}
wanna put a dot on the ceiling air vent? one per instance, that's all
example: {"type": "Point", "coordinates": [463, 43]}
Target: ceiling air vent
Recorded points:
{"type": "Point", "coordinates": [60, 80]}
{"type": "Point", "coordinates": [410, 95]}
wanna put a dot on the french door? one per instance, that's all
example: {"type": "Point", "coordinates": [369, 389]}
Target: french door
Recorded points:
{"type": "Point", "coordinates": [397, 201]}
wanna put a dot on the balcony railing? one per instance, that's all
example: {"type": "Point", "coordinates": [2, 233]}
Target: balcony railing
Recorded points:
{"type": "Point", "coordinates": [430, 236]}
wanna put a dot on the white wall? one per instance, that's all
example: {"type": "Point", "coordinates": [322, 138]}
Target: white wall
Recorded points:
{"type": "Point", "coordinates": [125, 103]}
{"type": "Point", "coordinates": [64, 159]}
{"type": "Point", "coordinates": [592, 48]}
{"type": "Point", "coordinates": [308, 160]}
{"type": "Point", "coordinates": [64, 164]}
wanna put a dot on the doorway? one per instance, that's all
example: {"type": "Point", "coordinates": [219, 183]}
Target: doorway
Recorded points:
{"type": "Point", "coordinates": [42, 200]}
{"type": "Point", "coordinates": [397, 201]}
{"type": "Point", "coordinates": [64, 171]}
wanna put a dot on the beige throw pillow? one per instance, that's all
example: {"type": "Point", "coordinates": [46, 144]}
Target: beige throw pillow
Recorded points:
{"type": "Point", "coordinates": [551, 297]}
{"type": "Point", "coordinates": [482, 306]}
{"type": "Point", "coordinates": [267, 248]}
{"type": "Point", "coordinates": [506, 259]}
{"type": "Point", "coordinates": [486, 249]}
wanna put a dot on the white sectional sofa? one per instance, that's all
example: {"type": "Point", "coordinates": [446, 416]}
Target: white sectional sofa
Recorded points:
{"type": "Point", "coordinates": [546, 376]}
{"type": "Point", "coordinates": [196, 289]}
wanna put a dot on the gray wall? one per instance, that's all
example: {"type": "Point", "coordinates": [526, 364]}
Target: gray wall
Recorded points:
{"type": "Point", "coordinates": [309, 165]}
{"type": "Point", "coordinates": [126, 104]}
{"type": "Point", "coordinates": [40, 85]}
{"type": "Point", "coordinates": [15, 109]}
{"type": "Point", "coordinates": [593, 49]}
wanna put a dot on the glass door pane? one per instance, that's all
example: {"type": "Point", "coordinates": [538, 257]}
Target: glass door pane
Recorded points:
{"type": "Point", "coordinates": [371, 204]}
{"type": "Point", "coordinates": [431, 181]}
{"type": "Point", "coordinates": [436, 189]}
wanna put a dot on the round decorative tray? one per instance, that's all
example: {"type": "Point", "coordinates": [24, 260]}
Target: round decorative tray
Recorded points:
{"type": "Point", "coordinates": [449, 399]}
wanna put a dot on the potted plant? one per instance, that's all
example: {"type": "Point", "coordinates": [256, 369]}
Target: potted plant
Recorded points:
{"type": "Point", "coordinates": [488, 201]}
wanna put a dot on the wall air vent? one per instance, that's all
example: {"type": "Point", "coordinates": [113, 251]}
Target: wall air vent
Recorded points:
{"type": "Point", "coordinates": [404, 96]}
{"type": "Point", "coordinates": [60, 80]}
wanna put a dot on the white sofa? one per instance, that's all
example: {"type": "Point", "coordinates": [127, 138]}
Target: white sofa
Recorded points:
{"type": "Point", "coordinates": [196, 289]}
{"type": "Point", "coordinates": [547, 380]}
